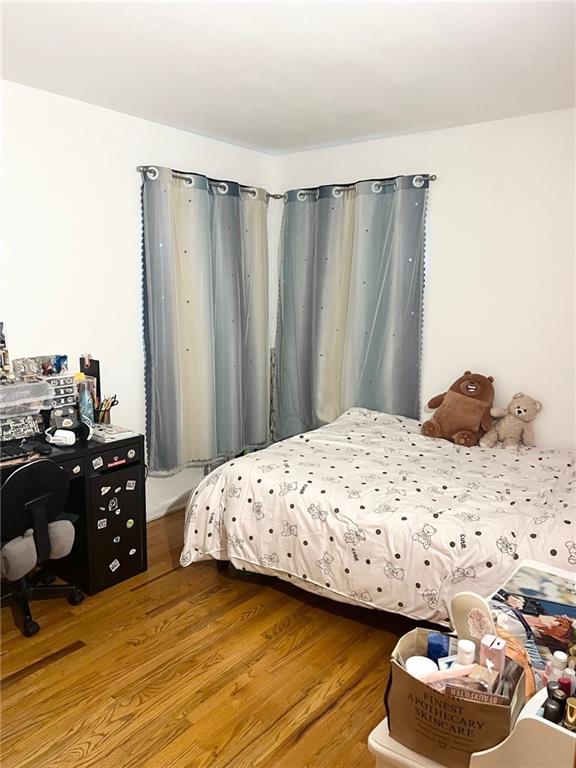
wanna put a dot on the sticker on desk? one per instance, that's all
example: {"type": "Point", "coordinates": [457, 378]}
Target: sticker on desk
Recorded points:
{"type": "Point", "coordinates": [102, 523]}
{"type": "Point", "coordinates": [98, 462]}
{"type": "Point", "coordinates": [113, 504]}
{"type": "Point", "coordinates": [129, 522]}
{"type": "Point", "coordinates": [130, 485]}
{"type": "Point", "coordinates": [132, 551]}
{"type": "Point", "coordinates": [117, 490]}
{"type": "Point", "coordinates": [114, 565]}
{"type": "Point", "coordinates": [116, 539]}
{"type": "Point", "coordinates": [104, 490]}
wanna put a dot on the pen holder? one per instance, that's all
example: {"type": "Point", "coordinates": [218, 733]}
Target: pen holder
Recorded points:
{"type": "Point", "coordinates": [103, 412]}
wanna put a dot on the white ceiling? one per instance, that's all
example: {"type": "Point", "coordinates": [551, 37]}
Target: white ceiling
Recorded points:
{"type": "Point", "coordinates": [280, 77]}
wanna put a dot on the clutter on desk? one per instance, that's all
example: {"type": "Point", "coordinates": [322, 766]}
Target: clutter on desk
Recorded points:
{"type": "Point", "coordinates": [90, 367]}
{"type": "Point", "coordinates": [86, 388]}
{"type": "Point", "coordinates": [24, 398]}
{"type": "Point", "coordinates": [103, 410]}
{"type": "Point", "coordinates": [45, 403]}
{"type": "Point", "coordinates": [33, 368]}
{"type": "Point", "coordinates": [6, 375]}
{"type": "Point", "coordinates": [109, 433]}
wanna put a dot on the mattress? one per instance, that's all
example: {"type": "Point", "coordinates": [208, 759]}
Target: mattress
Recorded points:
{"type": "Point", "coordinates": [366, 510]}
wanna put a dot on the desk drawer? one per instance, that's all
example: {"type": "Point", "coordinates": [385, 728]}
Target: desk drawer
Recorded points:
{"type": "Point", "coordinates": [117, 526]}
{"type": "Point", "coordinates": [114, 458]}
{"type": "Point", "coordinates": [74, 468]}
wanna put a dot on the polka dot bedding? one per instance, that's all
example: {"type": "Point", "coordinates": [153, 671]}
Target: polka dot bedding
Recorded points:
{"type": "Point", "coordinates": [366, 510]}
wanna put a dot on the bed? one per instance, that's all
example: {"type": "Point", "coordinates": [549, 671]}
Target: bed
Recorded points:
{"type": "Point", "coordinates": [366, 510]}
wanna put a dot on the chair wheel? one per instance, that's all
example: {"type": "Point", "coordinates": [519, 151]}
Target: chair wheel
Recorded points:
{"type": "Point", "coordinates": [76, 597]}
{"type": "Point", "coordinates": [30, 628]}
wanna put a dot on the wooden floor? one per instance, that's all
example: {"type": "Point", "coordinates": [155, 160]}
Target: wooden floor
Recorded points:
{"type": "Point", "coordinates": [184, 668]}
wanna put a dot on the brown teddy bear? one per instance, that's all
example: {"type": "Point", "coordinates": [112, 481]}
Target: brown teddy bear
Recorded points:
{"type": "Point", "coordinates": [514, 426]}
{"type": "Point", "coordinates": [463, 413]}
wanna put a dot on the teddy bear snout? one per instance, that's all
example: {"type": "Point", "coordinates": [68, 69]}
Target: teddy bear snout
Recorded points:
{"type": "Point", "coordinates": [520, 412]}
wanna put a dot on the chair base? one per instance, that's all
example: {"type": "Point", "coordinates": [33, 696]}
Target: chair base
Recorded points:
{"type": "Point", "coordinates": [17, 595]}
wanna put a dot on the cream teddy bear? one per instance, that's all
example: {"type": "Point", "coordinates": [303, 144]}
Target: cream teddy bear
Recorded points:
{"type": "Point", "coordinates": [514, 426]}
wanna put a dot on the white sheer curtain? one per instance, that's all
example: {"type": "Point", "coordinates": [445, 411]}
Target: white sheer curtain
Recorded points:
{"type": "Point", "coordinates": [205, 265]}
{"type": "Point", "coordinates": [350, 312]}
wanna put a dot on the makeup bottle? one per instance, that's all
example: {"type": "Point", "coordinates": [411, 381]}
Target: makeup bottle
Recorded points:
{"type": "Point", "coordinates": [565, 684]}
{"type": "Point", "coordinates": [569, 720]}
{"type": "Point", "coordinates": [554, 707]}
{"type": "Point", "coordinates": [559, 661]}
{"type": "Point", "coordinates": [552, 686]}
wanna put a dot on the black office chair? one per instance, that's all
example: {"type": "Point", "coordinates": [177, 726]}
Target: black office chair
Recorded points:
{"type": "Point", "coordinates": [35, 529]}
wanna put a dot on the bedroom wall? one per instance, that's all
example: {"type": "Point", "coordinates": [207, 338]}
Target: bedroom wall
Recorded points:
{"type": "Point", "coordinates": [71, 239]}
{"type": "Point", "coordinates": [499, 294]}
{"type": "Point", "coordinates": [500, 225]}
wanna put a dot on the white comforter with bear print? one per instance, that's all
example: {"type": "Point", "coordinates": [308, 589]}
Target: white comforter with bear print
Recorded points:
{"type": "Point", "coordinates": [367, 510]}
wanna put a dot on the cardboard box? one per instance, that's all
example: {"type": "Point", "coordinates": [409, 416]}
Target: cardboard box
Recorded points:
{"type": "Point", "coordinates": [433, 724]}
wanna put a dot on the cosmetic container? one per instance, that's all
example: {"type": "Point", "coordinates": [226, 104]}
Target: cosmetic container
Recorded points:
{"type": "Point", "coordinates": [554, 706]}
{"type": "Point", "coordinates": [565, 684]}
{"type": "Point", "coordinates": [438, 646]}
{"type": "Point", "coordinates": [559, 660]}
{"type": "Point", "coordinates": [569, 720]}
{"type": "Point", "coordinates": [571, 675]}
{"type": "Point", "coordinates": [418, 666]}
{"type": "Point", "coordinates": [485, 645]}
{"type": "Point", "coordinates": [466, 652]}
{"type": "Point", "coordinates": [553, 685]}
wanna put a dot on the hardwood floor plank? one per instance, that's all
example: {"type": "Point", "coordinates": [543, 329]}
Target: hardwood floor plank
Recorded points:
{"type": "Point", "coordinates": [39, 664]}
{"type": "Point", "coordinates": [185, 668]}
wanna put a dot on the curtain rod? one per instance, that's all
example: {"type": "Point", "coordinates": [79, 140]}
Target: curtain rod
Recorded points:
{"type": "Point", "coordinates": [143, 169]}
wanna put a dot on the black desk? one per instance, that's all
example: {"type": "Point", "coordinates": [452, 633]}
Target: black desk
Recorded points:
{"type": "Point", "coordinates": [107, 492]}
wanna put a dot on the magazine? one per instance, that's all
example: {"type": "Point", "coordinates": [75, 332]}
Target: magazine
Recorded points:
{"type": "Point", "coordinates": [537, 605]}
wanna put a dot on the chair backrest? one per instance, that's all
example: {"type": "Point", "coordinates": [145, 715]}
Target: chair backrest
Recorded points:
{"type": "Point", "coordinates": [32, 496]}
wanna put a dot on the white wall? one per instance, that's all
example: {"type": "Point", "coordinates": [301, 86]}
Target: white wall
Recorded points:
{"type": "Point", "coordinates": [71, 247]}
{"type": "Point", "coordinates": [500, 283]}
{"type": "Point", "coordinates": [499, 295]}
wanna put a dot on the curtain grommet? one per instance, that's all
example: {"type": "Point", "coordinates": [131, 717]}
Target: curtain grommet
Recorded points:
{"type": "Point", "coordinates": [151, 172]}
{"type": "Point", "coordinates": [222, 188]}
{"type": "Point", "coordinates": [418, 181]}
